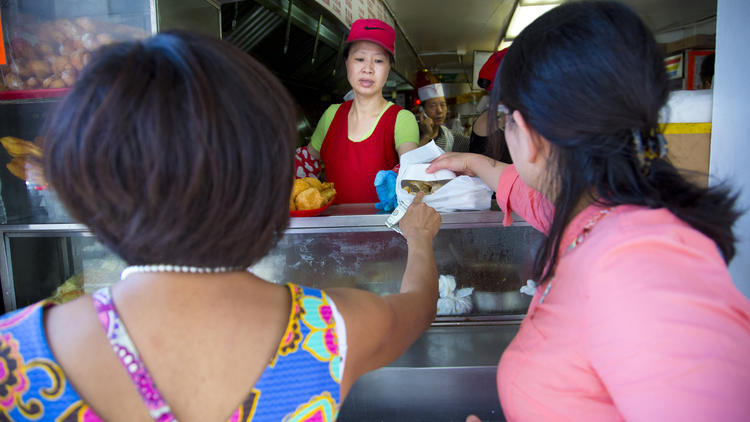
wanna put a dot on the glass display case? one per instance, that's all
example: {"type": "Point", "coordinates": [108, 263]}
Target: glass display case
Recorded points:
{"type": "Point", "coordinates": [46, 44]}
{"type": "Point", "coordinates": [347, 246]}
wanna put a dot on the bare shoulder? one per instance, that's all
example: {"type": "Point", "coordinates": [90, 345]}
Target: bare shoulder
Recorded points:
{"type": "Point", "coordinates": [73, 322]}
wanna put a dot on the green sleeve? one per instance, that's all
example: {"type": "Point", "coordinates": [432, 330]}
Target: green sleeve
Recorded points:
{"type": "Point", "coordinates": [407, 129]}
{"type": "Point", "coordinates": [322, 128]}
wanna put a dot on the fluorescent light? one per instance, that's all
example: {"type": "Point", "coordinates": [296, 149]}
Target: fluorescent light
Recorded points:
{"type": "Point", "coordinates": [504, 44]}
{"type": "Point", "coordinates": [523, 16]}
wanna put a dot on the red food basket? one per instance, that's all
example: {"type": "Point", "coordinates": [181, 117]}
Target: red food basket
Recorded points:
{"type": "Point", "coordinates": [313, 212]}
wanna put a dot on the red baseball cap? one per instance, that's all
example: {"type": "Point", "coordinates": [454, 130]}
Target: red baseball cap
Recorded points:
{"type": "Point", "coordinates": [487, 73]}
{"type": "Point", "coordinates": [373, 30]}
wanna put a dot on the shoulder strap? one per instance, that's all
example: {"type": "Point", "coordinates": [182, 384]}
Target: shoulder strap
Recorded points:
{"type": "Point", "coordinates": [129, 357]}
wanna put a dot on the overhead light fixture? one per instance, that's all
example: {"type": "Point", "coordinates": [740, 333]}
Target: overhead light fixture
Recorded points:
{"type": "Point", "coordinates": [504, 44]}
{"type": "Point", "coordinates": [525, 13]}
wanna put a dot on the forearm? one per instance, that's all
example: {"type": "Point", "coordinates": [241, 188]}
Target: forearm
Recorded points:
{"type": "Point", "coordinates": [487, 169]}
{"type": "Point", "coordinates": [406, 147]}
{"type": "Point", "coordinates": [314, 153]}
{"type": "Point", "coordinates": [421, 270]}
{"type": "Point", "coordinates": [380, 329]}
{"type": "Point", "coordinates": [419, 286]}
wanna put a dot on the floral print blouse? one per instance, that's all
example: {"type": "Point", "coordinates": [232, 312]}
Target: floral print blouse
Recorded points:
{"type": "Point", "coordinates": [300, 384]}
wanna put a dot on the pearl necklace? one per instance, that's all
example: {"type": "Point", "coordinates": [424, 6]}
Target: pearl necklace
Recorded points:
{"type": "Point", "coordinates": [167, 268]}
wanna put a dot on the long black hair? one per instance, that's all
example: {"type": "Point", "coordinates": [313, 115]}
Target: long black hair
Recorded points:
{"type": "Point", "coordinates": [589, 77]}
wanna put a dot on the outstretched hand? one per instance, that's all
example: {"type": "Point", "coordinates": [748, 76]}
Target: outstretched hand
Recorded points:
{"type": "Point", "coordinates": [485, 168]}
{"type": "Point", "coordinates": [420, 220]}
{"type": "Point", "coordinates": [459, 162]}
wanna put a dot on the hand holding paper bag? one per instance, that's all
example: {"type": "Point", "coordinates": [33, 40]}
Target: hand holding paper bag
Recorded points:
{"type": "Point", "coordinates": [447, 191]}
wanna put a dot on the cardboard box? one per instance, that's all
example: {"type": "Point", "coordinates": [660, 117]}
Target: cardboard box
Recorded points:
{"type": "Point", "coordinates": [689, 149]}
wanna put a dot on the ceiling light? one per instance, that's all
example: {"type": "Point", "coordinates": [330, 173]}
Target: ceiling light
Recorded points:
{"type": "Point", "coordinates": [524, 15]}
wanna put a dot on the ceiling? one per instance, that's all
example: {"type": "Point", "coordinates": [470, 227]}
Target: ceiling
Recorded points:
{"type": "Point", "coordinates": [445, 33]}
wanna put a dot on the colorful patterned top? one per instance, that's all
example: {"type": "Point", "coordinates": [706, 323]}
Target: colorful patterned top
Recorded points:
{"type": "Point", "coordinates": [33, 386]}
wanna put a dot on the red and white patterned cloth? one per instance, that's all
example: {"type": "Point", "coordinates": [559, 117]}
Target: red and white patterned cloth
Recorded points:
{"type": "Point", "coordinates": [305, 165]}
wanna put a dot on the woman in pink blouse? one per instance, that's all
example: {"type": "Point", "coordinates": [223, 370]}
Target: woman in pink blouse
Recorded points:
{"type": "Point", "coordinates": [635, 316]}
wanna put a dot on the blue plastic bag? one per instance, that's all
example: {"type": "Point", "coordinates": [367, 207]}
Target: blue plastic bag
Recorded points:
{"type": "Point", "coordinates": [385, 187]}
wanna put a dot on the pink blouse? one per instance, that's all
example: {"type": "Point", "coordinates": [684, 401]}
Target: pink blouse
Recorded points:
{"type": "Point", "coordinates": [642, 323]}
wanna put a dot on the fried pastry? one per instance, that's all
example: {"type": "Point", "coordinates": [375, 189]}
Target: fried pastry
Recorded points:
{"type": "Point", "coordinates": [309, 199]}
{"type": "Point", "coordinates": [299, 186]}
{"type": "Point", "coordinates": [415, 186]}
{"type": "Point", "coordinates": [328, 194]}
{"type": "Point", "coordinates": [313, 182]}
{"type": "Point", "coordinates": [17, 147]}
{"type": "Point", "coordinates": [308, 193]}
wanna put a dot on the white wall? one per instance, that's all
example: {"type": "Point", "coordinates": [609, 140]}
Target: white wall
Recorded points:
{"type": "Point", "coordinates": [730, 139]}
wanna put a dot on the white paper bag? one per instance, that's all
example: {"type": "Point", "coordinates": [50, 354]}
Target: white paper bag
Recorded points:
{"type": "Point", "coordinates": [461, 193]}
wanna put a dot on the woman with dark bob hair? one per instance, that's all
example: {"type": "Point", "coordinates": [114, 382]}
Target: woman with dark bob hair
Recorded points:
{"type": "Point", "coordinates": [177, 152]}
{"type": "Point", "coordinates": [635, 316]}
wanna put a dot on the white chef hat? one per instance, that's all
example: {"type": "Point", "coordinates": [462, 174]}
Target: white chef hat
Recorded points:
{"type": "Point", "coordinates": [431, 91]}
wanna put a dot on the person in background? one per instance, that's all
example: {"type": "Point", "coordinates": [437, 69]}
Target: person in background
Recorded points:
{"type": "Point", "coordinates": [479, 139]}
{"type": "Point", "coordinates": [707, 71]}
{"type": "Point", "coordinates": [431, 127]}
{"type": "Point", "coordinates": [358, 138]}
{"type": "Point", "coordinates": [634, 316]}
{"type": "Point", "coordinates": [184, 169]}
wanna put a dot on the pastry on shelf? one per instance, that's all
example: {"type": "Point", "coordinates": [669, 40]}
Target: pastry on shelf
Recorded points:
{"type": "Point", "coordinates": [60, 50]}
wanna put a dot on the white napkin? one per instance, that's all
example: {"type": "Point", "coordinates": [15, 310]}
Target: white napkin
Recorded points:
{"type": "Point", "coordinates": [452, 301]}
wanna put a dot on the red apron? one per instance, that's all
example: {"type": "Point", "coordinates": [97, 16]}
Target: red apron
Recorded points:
{"type": "Point", "coordinates": [352, 166]}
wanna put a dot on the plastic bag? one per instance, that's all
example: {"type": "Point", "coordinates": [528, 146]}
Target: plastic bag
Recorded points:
{"type": "Point", "coordinates": [456, 125]}
{"type": "Point", "coordinates": [460, 193]}
{"type": "Point", "coordinates": [452, 301]}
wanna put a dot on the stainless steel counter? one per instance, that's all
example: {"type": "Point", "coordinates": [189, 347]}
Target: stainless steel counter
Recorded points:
{"type": "Point", "coordinates": [447, 374]}
{"type": "Point", "coordinates": [450, 372]}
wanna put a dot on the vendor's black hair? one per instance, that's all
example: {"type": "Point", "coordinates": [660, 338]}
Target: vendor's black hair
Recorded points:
{"type": "Point", "coordinates": [585, 75]}
{"type": "Point", "coordinates": [178, 149]}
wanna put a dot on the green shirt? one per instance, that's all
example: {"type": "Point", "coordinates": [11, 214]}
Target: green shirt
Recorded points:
{"type": "Point", "coordinates": [406, 129]}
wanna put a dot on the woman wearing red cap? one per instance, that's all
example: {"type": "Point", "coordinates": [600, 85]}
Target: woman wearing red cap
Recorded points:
{"type": "Point", "coordinates": [367, 134]}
